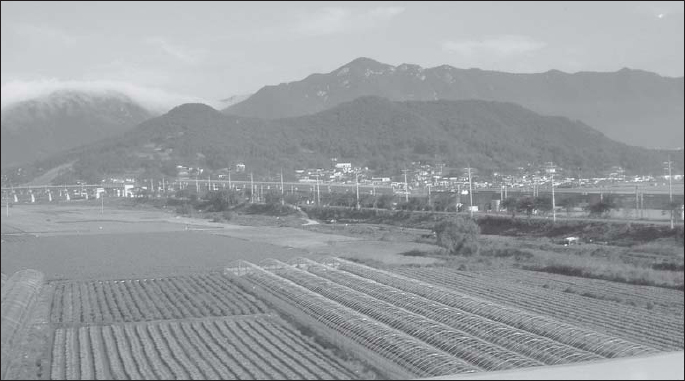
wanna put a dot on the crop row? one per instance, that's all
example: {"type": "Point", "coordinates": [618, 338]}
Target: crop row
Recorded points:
{"type": "Point", "coordinates": [19, 294]}
{"type": "Point", "coordinates": [411, 355]}
{"type": "Point", "coordinates": [538, 324]}
{"type": "Point", "coordinates": [667, 300]}
{"type": "Point", "coordinates": [479, 353]}
{"type": "Point", "coordinates": [254, 348]}
{"type": "Point", "coordinates": [661, 331]}
{"type": "Point", "coordinates": [537, 347]}
{"type": "Point", "coordinates": [111, 301]}
{"type": "Point", "coordinates": [2, 288]}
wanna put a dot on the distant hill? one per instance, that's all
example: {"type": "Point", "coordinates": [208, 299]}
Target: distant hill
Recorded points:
{"type": "Point", "coordinates": [41, 127]}
{"type": "Point", "coordinates": [632, 106]}
{"type": "Point", "coordinates": [233, 99]}
{"type": "Point", "coordinates": [369, 131]}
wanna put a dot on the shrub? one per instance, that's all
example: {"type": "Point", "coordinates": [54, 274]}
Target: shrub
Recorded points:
{"type": "Point", "coordinates": [227, 215]}
{"type": "Point", "coordinates": [510, 253]}
{"type": "Point", "coordinates": [602, 208]}
{"type": "Point", "coordinates": [458, 236]}
{"type": "Point", "coordinates": [184, 209]}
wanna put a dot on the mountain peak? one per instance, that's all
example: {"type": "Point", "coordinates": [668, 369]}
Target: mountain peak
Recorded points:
{"type": "Point", "coordinates": [365, 61]}
{"type": "Point", "coordinates": [191, 108]}
{"type": "Point", "coordinates": [64, 119]}
{"type": "Point", "coordinates": [364, 66]}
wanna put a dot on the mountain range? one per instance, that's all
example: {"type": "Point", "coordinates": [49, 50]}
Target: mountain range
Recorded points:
{"type": "Point", "coordinates": [369, 131]}
{"type": "Point", "coordinates": [371, 113]}
{"type": "Point", "coordinates": [632, 106]}
{"type": "Point", "coordinates": [40, 127]}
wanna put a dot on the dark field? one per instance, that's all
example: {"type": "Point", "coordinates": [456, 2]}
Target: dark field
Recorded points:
{"type": "Point", "coordinates": [133, 255]}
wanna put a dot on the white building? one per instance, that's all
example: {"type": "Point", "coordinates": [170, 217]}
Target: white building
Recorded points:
{"type": "Point", "coordinates": [345, 167]}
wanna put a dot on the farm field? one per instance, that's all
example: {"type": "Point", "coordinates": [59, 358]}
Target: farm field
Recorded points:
{"type": "Point", "coordinates": [136, 300]}
{"type": "Point", "coordinates": [656, 328]}
{"type": "Point", "coordinates": [651, 298]}
{"type": "Point", "coordinates": [407, 321]}
{"type": "Point", "coordinates": [292, 320]}
{"type": "Point", "coordinates": [77, 242]}
{"type": "Point", "coordinates": [191, 299]}
{"type": "Point", "coordinates": [253, 347]}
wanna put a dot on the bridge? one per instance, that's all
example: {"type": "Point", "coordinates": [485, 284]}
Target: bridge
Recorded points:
{"type": "Point", "coordinates": [643, 197]}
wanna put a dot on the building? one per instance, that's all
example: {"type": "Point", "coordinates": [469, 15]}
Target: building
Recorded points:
{"type": "Point", "coordinates": [345, 167]}
{"type": "Point", "coordinates": [550, 168]}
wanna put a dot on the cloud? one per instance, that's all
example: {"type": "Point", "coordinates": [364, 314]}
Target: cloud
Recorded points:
{"type": "Point", "coordinates": [153, 99]}
{"type": "Point", "coordinates": [43, 34]}
{"type": "Point", "coordinates": [185, 55]}
{"type": "Point", "coordinates": [501, 46]}
{"type": "Point", "coordinates": [334, 20]}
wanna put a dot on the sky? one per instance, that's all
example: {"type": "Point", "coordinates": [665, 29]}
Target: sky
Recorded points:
{"type": "Point", "coordinates": [167, 53]}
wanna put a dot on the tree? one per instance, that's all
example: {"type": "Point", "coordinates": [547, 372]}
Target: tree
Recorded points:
{"type": "Point", "coordinates": [568, 204]}
{"type": "Point", "coordinates": [414, 203]}
{"type": "Point", "coordinates": [543, 204]}
{"type": "Point", "coordinates": [511, 205]}
{"type": "Point", "coordinates": [603, 207]}
{"type": "Point", "coordinates": [272, 198]}
{"type": "Point", "coordinates": [442, 201]}
{"type": "Point", "coordinates": [384, 201]}
{"type": "Point", "coordinates": [292, 199]}
{"type": "Point", "coordinates": [674, 208]}
{"type": "Point", "coordinates": [459, 236]}
{"type": "Point", "coordinates": [526, 204]}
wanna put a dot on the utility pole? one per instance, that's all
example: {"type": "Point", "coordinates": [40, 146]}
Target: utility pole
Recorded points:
{"type": "Point", "coordinates": [429, 196]}
{"type": "Point", "coordinates": [209, 183]}
{"type": "Point", "coordinates": [229, 180]}
{"type": "Point", "coordinates": [282, 190]}
{"type": "Point", "coordinates": [356, 175]}
{"type": "Point", "coordinates": [318, 195]}
{"type": "Point", "coordinates": [470, 194]}
{"type": "Point", "coordinates": [637, 202]}
{"type": "Point", "coordinates": [197, 185]}
{"type": "Point", "coordinates": [406, 187]}
{"type": "Point", "coordinates": [670, 191]}
{"type": "Point", "coordinates": [458, 198]}
{"type": "Point", "coordinates": [251, 188]}
{"type": "Point", "coordinates": [554, 209]}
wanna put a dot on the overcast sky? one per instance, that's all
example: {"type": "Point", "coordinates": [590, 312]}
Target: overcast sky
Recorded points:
{"type": "Point", "coordinates": [174, 51]}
